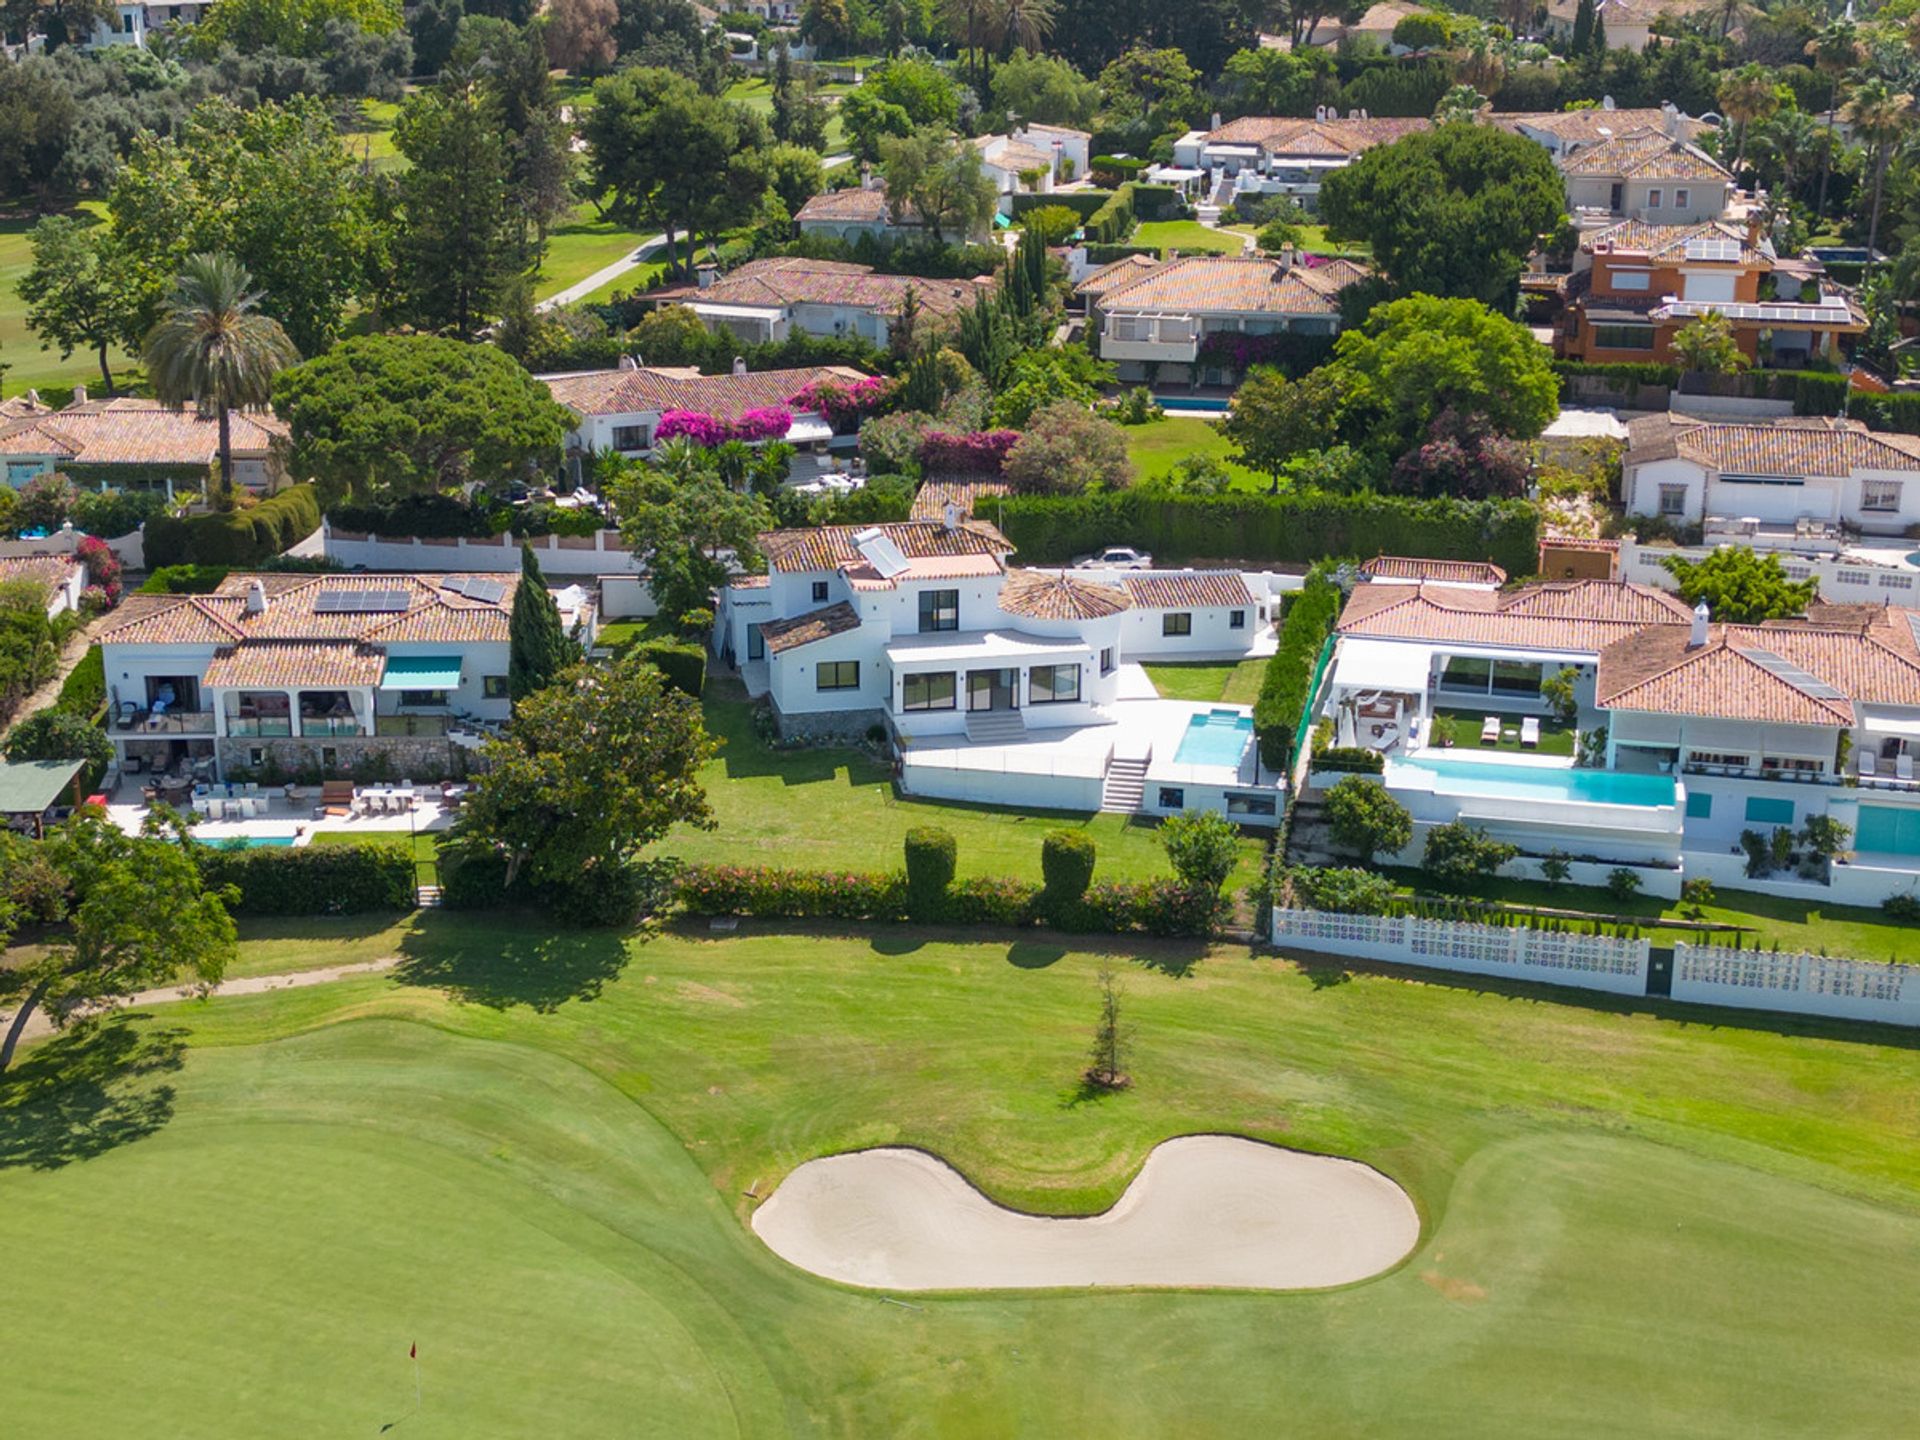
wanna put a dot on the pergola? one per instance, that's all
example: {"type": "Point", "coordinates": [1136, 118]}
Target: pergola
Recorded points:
{"type": "Point", "coordinates": [30, 788]}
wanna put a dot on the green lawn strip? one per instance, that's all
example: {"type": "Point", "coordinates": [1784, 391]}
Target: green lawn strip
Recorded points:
{"type": "Point", "coordinates": [1157, 446]}
{"type": "Point", "coordinates": [1229, 684]}
{"type": "Point", "coordinates": [817, 808]}
{"type": "Point", "coordinates": [1185, 236]}
{"type": "Point", "coordinates": [1841, 930]}
{"type": "Point", "coordinates": [28, 366]}
{"type": "Point", "coordinates": [581, 247]}
{"type": "Point", "coordinates": [632, 282]}
{"type": "Point", "coordinates": [1463, 726]}
{"type": "Point", "coordinates": [1628, 1215]}
{"type": "Point", "coordinates": [426, 847]}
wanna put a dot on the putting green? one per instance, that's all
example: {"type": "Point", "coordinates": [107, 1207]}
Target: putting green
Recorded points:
{"type": "Point", "coordinates": [243, 1238]}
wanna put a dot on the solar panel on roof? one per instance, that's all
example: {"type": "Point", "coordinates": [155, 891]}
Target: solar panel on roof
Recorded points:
{"type": "Point", "coordinates": [880, 552]}
{"type": "Point", "coordinates": [488, 592]}
{"type": "Point", "coordinates": [1802, 680]}
{"type": "Point", "coordinates": [359, 602]}
{"type": "Point", "coordinates": [1704, 249]}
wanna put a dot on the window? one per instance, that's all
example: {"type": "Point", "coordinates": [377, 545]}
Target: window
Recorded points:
{"type": "Point", "coordinates": [819, 592]}
{"type": "Point", "coordinates": [1673, 499]}
{"type": "Point", "coordinates": [1249, 804]}
{"type": "Point", "coordinates": [1792, 764]}
{"type": "Point", "coordinates": [1699, 806]}
{"type": "Point", "coordinates": [1632, 280]}
{"type": "Point", "coordinates": [1623, 337]}
{"type": "Point", "coordinates": [837, 675]}
{"type": "Point", "coordinates": [927, 692]}
{"type": "Point", "coordinates": [1769, 812]}
{"type": "Point", "coordinates": [1053, 684]}
{"type": "Point", "coordinates": [1682, 199]}
{"type": "Point", "coordinates": [423, 697]}
{"type": "Point", "coordinates": [1236, 619]}
{"type": "Point", "coordinates": [256, 756]}
{"type": "Point", "coordinates": [1516, 677]}
{"type": "Point", "coordinates": [1176, 622]}
{"type": "Point", "coordinates": [630, 437]}
{"type": "Point", "coordinates": [1709, 287]}
{"type": "Point", "coordinates": [756, 643]}
{"type": "Point", "coordinates": [1106, 661]}
{"type": "Point", "coordinates": [329, 758]}
{"type": "Point", "coordinates": [1879, 494]}
{"type": "Point", "coordinates": [939, 610]}
{"type": "Point", "coordinates": [494, 687]}
{"type": "Point", "coordinates": [1466, 672]}
{"type": "Point", "coordinates": [1717, 757]}
{"type": "Point", "coordinates": [1172, 798]}
{"type": "Point", "coordinates": [1654, 197]}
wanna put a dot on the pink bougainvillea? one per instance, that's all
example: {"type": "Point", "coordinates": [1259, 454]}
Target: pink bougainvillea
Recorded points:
{"type": "Point", "coordinates": [978, 452]}
{"type": "Point", "coordinates": [770, 422]}
{"type": "Point", "coordinates": [103, 568]}
{"type": "Point", "coordinates": [844, 405]}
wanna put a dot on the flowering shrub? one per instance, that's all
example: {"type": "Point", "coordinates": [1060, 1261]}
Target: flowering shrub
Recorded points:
{"type": "Point", "coordinates": [1294, 353]}
{"type": "Point", "coordinates": [979, 452]}
{"type": "Point", "coordinates": [844, 405]}
{"type": "Point", "coordinates": [768, 422]}
{"type": "Point", "coordinates": [103, 569]}
{"type": "Point", "coordinates": [792, 894]}
{"type": "Point", "coordinates": [992, 900]}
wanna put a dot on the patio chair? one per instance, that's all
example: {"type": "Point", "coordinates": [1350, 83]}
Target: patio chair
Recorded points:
{"type": "Point", "coordinates": [1490, 730]}
{"type": "Point", "coordinates": [129, 715]}
{"type": "Point", "coordinates": [1865, 760]}
{"type": "Point", "coordinates": [1903, 767]}
{"type": "Point", "coordinates": [1530, 731]}
{"type": "Point", "coordinates": [216, 808]}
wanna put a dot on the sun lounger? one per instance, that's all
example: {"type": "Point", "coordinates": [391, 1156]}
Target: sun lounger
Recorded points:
{"type": "Point", "coordinates": [1865, 759]}
{"type": "Point", "coordinates": [1530, 730]}
{"type": "Point", "coordinates": [1903, 767]}
{"type": "Point", "coordinates": [1490, 730]}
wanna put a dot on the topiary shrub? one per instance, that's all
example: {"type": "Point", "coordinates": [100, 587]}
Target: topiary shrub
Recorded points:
{"type": "Point", "coordinates": [931, 860]}
{"type": "Point", "coordinates": [685, 666]}
{"type": "Point", "coordinates": [1066, 869]}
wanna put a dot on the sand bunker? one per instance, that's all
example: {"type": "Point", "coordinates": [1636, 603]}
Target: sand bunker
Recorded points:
{"type": "Point", "coordinates": [1204, 1210]}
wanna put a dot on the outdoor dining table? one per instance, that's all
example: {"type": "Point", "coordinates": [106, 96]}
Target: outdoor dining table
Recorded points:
{"type": "Point", "coordinates": [386, 795]}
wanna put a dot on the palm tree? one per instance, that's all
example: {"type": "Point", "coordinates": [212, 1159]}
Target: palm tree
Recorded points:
{"type": "Point", "coordinates": [1879, 116]}
{"type": "Point", "coordinates": [1746, 95]}
{"type": "Point", "coordinates": [1479, 63]}
{"type": "Point", "coordinates": [1461, 105]}
{"type": "Point", "coordinates": [965, 20]}
{"type": "Point", "coordinates": [213, 348]}
{"type": "Point", "coordinates": [1026, 23]}
{"type": "Point", "coordinates": [1786, 144]}
{"type": "Point", "coordinates": [1834, 52]}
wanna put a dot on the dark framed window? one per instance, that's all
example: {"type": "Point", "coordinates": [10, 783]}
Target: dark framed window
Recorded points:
{"type": "Point", "coordinates": [939, 610]}
{"type": "Point", "coordinates": [1250, 804]}
{"type": "Point", "coordinates": [928, 692]}
{"type": "Point", "coordinates": [819, 592]}
{"type": "Point", "coordinates": [1053, 684]}
{"type": "Point", "coordinates": [1516, 677]}
{"type": "Point", "coordinates": [1172, 798]}
{"type": "Point", "coordinates": [1623, 337]}
{"type": "Point", "coordinates": [630, 437]}
{"type": "Point", "coordinates": [1236, 619]}
{"type": "Point", "coordinates": [1106, 661]}
{"type": "Point", "coordinates": [494, 687]}
{"type": "Point", "coordinates": [756, 643]}
{"type": "Point", "coordinates": [1466, 672]}
{"type": "Point", "coordinates": [423, 697]}
{"type": "Point", "coordinates": [1176, 622]}
{"type": "Point", "coordinates": [837, 675]}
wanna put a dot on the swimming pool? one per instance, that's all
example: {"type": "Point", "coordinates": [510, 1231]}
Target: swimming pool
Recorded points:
{"type": "Point", "coordinates": [1217, 738]}
{"type": "Point", "coordinates": [250, 842]}
{"type": "Point", "coordinates": [1528, 782]}
{"type": "Point", "coordinates": [1207, 403]}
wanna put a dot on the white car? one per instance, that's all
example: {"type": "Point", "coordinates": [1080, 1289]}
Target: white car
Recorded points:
{"type": "Point", "coordinates": [1116, 557]}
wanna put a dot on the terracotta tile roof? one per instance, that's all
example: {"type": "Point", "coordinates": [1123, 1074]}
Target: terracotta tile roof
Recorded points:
{"type": "Point", "coordinates": [1804, 445]}
{"type": "Point", "coordinates": [805, 629]}
{"type": "Point", "coordinates": [930, 501]}
{"type": "Point", "coordinates": [1459, 572]}
{"type": "Point", "coordinates": [794, 280]}
{"type": "Point", "coordinates": [1222, 283]}
{"type": "Point", "coordinates": [272, 663]}
{"type": "Point", "coordinates": [1646, 155]}
{"type": "Point", "coordinates": [1187, 589]}
{"type": "Point", "coordinates": [1121, 272]}
{"type": "Point", "coordinates": [52, 571]}
{"type": "Point", "coordinates": [649, 390]}
{"type": "Point", "coordinates": [1015, 155]}
{"type": "Point", "coordinates": [831, 547]}
{"type": "Point", "coordinates": [17, 407]}
{"type": "Point", "coordinates": [1669, 242]}
{"type": "Point", "coordinates": [1283, 135]}
{"type": "Point", "coordinates": [1579, 615]}
{"type": "Point", "coordinates": [1042, 596]}
{"type": "Point", "coordinates": [128, 431]}
{"type": "Point", "coordinates": [1590, 127]}
{"type": "Point", "coordinates": [852, 206]}
{"type": "Point", "coordinates": [1634, 12]}
{"type": "Point", "coordinates": [434, 613]}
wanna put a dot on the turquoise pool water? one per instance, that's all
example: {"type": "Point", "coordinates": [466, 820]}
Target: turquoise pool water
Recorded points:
{"type": "Point", "coordinates": [251, 842]}
{"type": "Point", "coordinates": [1527, 782]}
{"type": "Point", "coordinates": [1206, 403]}
{"type": "Point", "coordinates": [1217, 738]}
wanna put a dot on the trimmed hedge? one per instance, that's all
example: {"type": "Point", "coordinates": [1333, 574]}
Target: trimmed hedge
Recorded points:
{"type": "Point", "coordinates": [1084, 203]}
{"type": "Point", "coordinates": [313, 879]}
{"type": "Point", "coordinates": [1900, 413]}
{"type": "Point", "coordinates": [1113, 221]}
{"type": "Point", "coordinates": [932, 856]}
{"type": "Point", "coordinates": [684, 665]}
{"type": "Point", "coordinates": [1066, 868]}
{"type": "Point", "coordinates": [84, 691]}
{"type": "Point", "coordinates": [771, 891]}
{"type": "Point", "coordinates": [1286, 685]}
{"type": "Point", "coordinates": [1158, 202]}
{"type": "Point", "coordinates": [1633, 375]}
{"type": "Point", "coordinates": [1287, 529]}
{"type": "Point", "coordinates": [185, 579]}
{"type": "Point", "coordinates": [234, 537]}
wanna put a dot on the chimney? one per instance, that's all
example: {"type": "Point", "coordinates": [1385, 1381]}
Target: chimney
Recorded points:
{"type": "Point", "coordinates": [1670, 119]}
{"type": "Point", "coordinates": [32, 397]}
{"type": "Point", "coordinates": [950, 516]}
{"type": "Point", "coordinates": [1698, 635]}
{"type": "Point", "coordinates": [704, 275]}
{"type": "Point", "coordinates": [79, 394]}
{"type": "Point", "coordinates": [1606, 102]}
{"type": "Point", "coordinates": [629, 362]}
{"type": "Point", "coordinates": [1756, 228]}
{"type": "Point", "coordinates": [1216, 120]}
{"type": "Point", "coordinates": [1319, 112]}
{"type": "Point", "coordinates": [256, 597]}
{"type": "Point", "coordinates": [739, 365]}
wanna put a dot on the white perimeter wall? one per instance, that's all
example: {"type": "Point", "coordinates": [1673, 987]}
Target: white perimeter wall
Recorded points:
{"type": "Point", "coordinates": [1797, 982]}
{"type": "Point", "coordinates": [1591, 962]}
{"type": "Point", "coordinates": [1020, 789]}
{"type": "Point", "coordinates": [572, 555]}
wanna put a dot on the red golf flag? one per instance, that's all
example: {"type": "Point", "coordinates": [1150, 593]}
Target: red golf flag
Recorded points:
{"type": "Point", "coordinates": [413, 1351]}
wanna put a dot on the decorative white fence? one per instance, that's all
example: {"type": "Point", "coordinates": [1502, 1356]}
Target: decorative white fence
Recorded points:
{"type": "Point", "coordinates": [1554, 957]}
{"type": "Point", "coordinates": [1799, 982]}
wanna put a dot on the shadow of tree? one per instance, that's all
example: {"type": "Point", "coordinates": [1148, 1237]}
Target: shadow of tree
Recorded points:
{"type": "Point", "coordinates": [88, 1091]}
{"type": "Point", "coordinates": [1088, 1092]}
{"type": "Point", "coordinates": [507, 967]}
{"type": "Point", "coordinates": [1175, 958]}
{"type": "Point", "coordinates": [1326, 976]}
{"type": "Point", "coordinates": [1033, 954]}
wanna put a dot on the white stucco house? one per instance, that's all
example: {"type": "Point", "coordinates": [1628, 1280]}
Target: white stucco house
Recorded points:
{"type": "Point", "coordinates": [1049, 154]}
{"type": "Point", "coordinates": [62, 577]}
{"type": "Point", "coordinates": [1001, 685]}
{"type": "Point", "coordinates": [865, 210]}
{"type": "Point", "coordinates": [768, 300]}
{"type": "Point", "coordinates": [1259, 155]}
{"type": "Point", "coordinates": [148, 444]}
{"type": "Point", "coordinates": [134, 24]}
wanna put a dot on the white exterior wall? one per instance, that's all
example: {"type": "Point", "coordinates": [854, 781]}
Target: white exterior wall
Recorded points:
{"type": "Point", "coordinates": [588, 555]}
{"type": "Point", "coordinates": [792, 675]}
{"type": "Point", "coordinates": [1212, 637]}
{"type": "Point", "coordinates": [1590, 962]}
{"type": "Point", "coordinates": [1019, 789]}
{"type": "Point", "coordinates": [476, 662]}
{"type": "Point", "coordinates": [128, 668]}
{"type": "Point", "coordinates": [1797, 982]}
{"type": "Point", "coordinates": [1827, 498]}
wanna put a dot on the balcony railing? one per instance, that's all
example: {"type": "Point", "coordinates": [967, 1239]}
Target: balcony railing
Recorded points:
{"type": "Point", "coordinates": [1794, 777]}
{"type": "Point", "coordinates": [169, 722]}
{"type": "Point", "coordinates": [324, 725]}
{"type": "Point", "coordinates": [427, 726]}
{"type": "Point", "coordinates": [260, 726]}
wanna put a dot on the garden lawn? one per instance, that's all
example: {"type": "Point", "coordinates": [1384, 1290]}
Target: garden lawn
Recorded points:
{"type": "Point", "coordinates": [1464, 726]}
{"type": "Point", "coordinates": [369, 134]}
{"type": "Point", "coordinates": [1229, 684]}
{"type": "Point", "coordinates": [757, 94]}
{"type": "Point", "coordinates": [816, 809]}
{"type": "Point", "coordinates": [1157, 446]}
{"type": "Point", "coordinates": [27, 365]}
{"type": "Point", "coordinates": [582, 246]}
{"type": "Point", "coordinates": [531, 1154]}
{"type": "Point", "coordinates": [1186, 236]}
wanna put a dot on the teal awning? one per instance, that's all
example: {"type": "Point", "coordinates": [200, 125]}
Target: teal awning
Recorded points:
{"type": "Point", "coordinates": [30, 787]}
{"type": "Point", "coordinates": [421, 672]}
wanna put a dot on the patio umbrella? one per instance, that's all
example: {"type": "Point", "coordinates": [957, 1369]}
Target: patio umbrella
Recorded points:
{"type": "Point", "coordinates": [1345, 732]}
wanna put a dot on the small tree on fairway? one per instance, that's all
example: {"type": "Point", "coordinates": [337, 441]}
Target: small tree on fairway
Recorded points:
{"type": "Point", "coordinates": [540, 648]}
{"type": "Point", "coordinates": [1110, 1036]}
{"type": "Point", "coordinates": [1202, 847]}
{"type": "Point", "coordinates": [1366, 819]}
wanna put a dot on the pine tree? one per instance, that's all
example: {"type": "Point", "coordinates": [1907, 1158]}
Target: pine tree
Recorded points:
{"type": "Point", "coordinates": [1110, 1037]}
{"type": "Point", "coordinates": [1582, 29]}
{"type": "Point", "coordinates": [539, 645]}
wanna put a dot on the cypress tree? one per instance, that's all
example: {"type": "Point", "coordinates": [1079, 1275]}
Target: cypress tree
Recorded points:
{"type": "Point", "coordinates": [540, 648]}
{"type": "Point", "coordinates": [1582, 29]}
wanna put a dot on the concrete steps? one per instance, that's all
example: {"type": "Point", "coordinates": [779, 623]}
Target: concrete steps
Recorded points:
{"type": "Point", "coordinates": [995, 727]}
{"type": "Point", "coordinates": [427, 897]}
{"type": "Point", "coordinates": [1125, 786]}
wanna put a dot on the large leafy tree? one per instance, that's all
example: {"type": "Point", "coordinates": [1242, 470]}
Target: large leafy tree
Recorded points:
{"type": "Point", "coordinates": [136, 916]}
{"type": "Point", "coordinates": [1272, 419]}
{"type": "Point", "coordinates": [292, 27]}
{"type": "Point", "coordinates": [539, 648]}
{"type": "Point", "coordinates": [461, 239]}
{"type": "Point", "coordinates": [683, 516]}
{"type": "Point", "coordinates": [941, 179]}
{"type": "Point", "coordinates": [37, 117]}
{"type": "Point", "coordinates": [384, 416]}
{"type": "Point", "coordinates": [1741, 587]}
{"type": "Point", "coordinates": [1156, 85]}
{"type": "Point", "coordinates": [1045, 90]}
{"type": "Point", "coordinates": [75, 290]}
{"type": "Point", "coordinates": [1452, 212]}
{"type": "Point", "coordinates": [1363, 817]}
{"type": "Point", "coordinates": [214, 349]}
{"type": "Point", "coordinates": [592, 770]}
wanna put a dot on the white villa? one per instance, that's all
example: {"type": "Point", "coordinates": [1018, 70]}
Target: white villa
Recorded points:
{"type": "Point", "coordinates": [864, 210]}
{"type": "Point", "coordinates": [999, 685]}
{"type": "Point", "coordinates": [1694, 733]}
{"type": "Point", "coordinates": [329, 672]}
{"type": "Point", "coordinates": [149, 444]}
{"type": "Point", "coordinates": [1260, 155]}
{"type": "Point", "coordinates": [769, 300]}
{"type": "Point", "coordinates": [1052, 154]}
{"type": "Point", "coordinates": [1787, 477]}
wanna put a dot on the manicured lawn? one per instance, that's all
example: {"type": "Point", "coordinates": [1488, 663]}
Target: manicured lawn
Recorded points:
{"type": "Point", "coordinates": [1229, 684]}
{"type": "Point", "coordinates": [582, 246]}
{"type": "Point", "coordinates": [1464, 727]}
{"type": "Point", "coordinates": [633, 280]}
{"type": "Point", "coordinates": [530, 1154]}
{"type": "Point", "coordinates": [369, 135]}
{"type": "Point", "coordinates": [1156, 447]}
{"type": "Point", "coordinates": [28, 366]}
{"type": "Point", "coordinates": [757, 94]}
{"type": "Point", "coordinates": [838, 808]}
{"type": "Point", "coordinates": [1185, 236]}
{"type": "Point", "coordinates": [426, 848]}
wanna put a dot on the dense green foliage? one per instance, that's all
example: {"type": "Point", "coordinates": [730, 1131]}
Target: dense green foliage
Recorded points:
{"type": "Point", "coordinates": [1066, 868]}
{"type": "Point", "coordinates": [539, 648]}
{"type": "Point", "coordinates": [931, 861]}
{"type": "Point", "coordinates": [1362, 816]}
{"type": "Point", "coordinates": [684, 664]}
{"type": "Point", "coordinates": [311, 879]}
{"type": "Point", "coordinates": [1740, 586]}
{"type": "Point", "coordinates": [1286, 688]}
{"type": "Point", "coordinates": [1459, 854]}
{"type": "Point", "coordinates": [235, 538]}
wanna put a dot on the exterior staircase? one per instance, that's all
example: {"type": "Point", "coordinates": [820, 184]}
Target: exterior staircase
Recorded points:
{"type": "Point", "coordinates": [1125, 787]}
{"type": "Point", "coordinates": [995, 727]}
{"type": "Point", "coordinates": [427, 897]}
